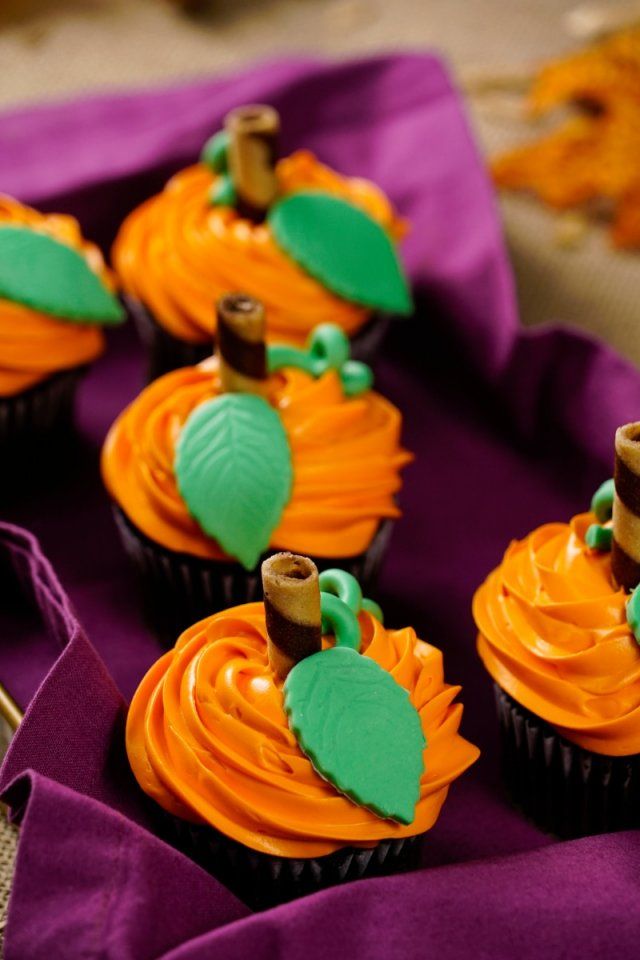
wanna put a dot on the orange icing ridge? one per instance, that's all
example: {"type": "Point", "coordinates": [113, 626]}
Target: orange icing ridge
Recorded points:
{"type": "Point", "coordinates": [34, 345]}
{"type": "Point", "coordinates": [178, 254]}
{"type": "Point", "coordinates": [207, 738]}
{"type": "Point", "coordinates": [554, 635]}
{"type": "Point", "coordinates": [346, 460]}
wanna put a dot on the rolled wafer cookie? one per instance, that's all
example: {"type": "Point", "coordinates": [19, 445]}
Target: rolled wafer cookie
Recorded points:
{"type": "Point", "coordinates": [253, 142]}
{"type": "Point", "coordinates": [241, 344]}
{"type": "Point", "coordinates": [292, 610]}
{"type": "Point", "coordinates": [625, 551]}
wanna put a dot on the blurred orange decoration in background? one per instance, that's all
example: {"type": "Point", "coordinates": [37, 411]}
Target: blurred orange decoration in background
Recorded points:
{"type": "Point", "coordinates": [593, 159]}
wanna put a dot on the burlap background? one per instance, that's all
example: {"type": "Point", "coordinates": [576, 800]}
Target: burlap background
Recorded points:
{"type": "Point", "coordinates": [54, 48]}
{"type": "Point", "coordinates": [50, 48]}
{"type": "Point", "coordinates": [8, 843]}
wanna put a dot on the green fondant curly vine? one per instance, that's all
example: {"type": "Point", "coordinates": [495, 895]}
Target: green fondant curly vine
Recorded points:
{"type": "Point", "coordinates": [341, 601]}
{"type": "Point", "coordinates": [327, 348]}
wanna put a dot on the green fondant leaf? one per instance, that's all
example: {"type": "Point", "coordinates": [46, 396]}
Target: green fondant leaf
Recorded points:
{"type": "Point", "coordinates": [359, 729]}
{"type": "Point", "coordinates": [633, 613]}
{"type": "Point", "coordinates": [233, 468]}
{"type": "Point", "coordinates": [46, 275]}
{"type": "Point", "coordinates": [342, 247]}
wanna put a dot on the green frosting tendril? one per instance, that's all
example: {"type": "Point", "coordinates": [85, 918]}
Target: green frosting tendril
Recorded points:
{"type": "Point", "coordinates": [223, 192]}
{"type": "Point", "coordinates": [340, 620]}
{"type": "Point", "coordinates": [602, 501]}
{"type": "Point", "coordinates": [356, 377]}
{"type": "Point", "coordinates": [599, 538]}
{"type": "Point", "coordinates": [215, 153]}
{"type": "Point", "coordinates": [374, 609]}
{"type": "Point", "coordinates": [344, 586]}
{"type": "Point", "coordinates": [341, 601]}
{"type": "Point", "coordinates": [327, 348]}
{"type": "Point", "coordinates": [633, 613]}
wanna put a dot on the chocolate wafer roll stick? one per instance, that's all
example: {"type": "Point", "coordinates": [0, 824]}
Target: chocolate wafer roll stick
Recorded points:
{"type": "Point", "coordinates": [292, 610]}
{"type": "Point", "coordinates": [10, 712]}
{"type": "Point", "coordinates": [253, 144]}
{"type": "Point", "coordinates": [625, 550]}
{"type": "Point", "coordinates": [241, 344]}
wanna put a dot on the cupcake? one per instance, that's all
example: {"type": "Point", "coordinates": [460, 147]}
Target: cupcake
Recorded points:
{"type": "Point", "coordinates": [559, 630]}
{"type": "Point", "coordinates": [285, 760]}
{"type": "Point", "coordinates": [313, 246]}
{"type": "Point", "coordinates": [55, 295]}
{"type": "Point", "coordinates": [252, 451]}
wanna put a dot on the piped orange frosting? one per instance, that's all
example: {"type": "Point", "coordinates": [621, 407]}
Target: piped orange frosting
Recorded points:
{"type": "Point", "coordinates": [207, 738]}
{"type": "Point", "coordinates": [554, 635]}
{"type": "Point", "coordinates": [346, 458]}
{"type": "Point", "coordinates": [35, 345]}
{"type": "Point", "coordinates": [178, 255]}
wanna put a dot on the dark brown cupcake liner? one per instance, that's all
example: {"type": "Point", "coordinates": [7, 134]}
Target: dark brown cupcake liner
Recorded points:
{"type": "Point", "coordinates": [179, 589]}
{"type": "Point", "coordinates": [166, 352]}
{"type": "Point", "coordinates": [564, 789]}
{"type": "Point", "coordinates": [263, 881]}
{"type": "Point", "coordinates": [366, 343]}
{"type": "Point", "coordinates": [42, 409]}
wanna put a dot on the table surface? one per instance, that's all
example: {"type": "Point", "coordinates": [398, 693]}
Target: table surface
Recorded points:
{"type": "Point", "coordinates": [54, 48]}
{"type": "Point", "coordinates": [50, 50]}
{"type": "Point", "coordinates": [61, 48]}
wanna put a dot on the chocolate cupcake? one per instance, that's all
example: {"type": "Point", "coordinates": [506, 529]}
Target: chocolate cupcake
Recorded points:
{"type": "Point", "coordinates": [252, 451]}
{"type": "Point", "coordinates": [313, 246]}
{"type": "Point", "coordinates": [285, 760]}
{"type": "Point", "coordinates": [55, 295]}
{"type": "Point", "coordinates": [559, 634]}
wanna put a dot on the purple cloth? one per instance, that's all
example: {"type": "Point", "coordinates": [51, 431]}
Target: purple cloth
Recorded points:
{"type": "Point", "coordinates": [510, 428]}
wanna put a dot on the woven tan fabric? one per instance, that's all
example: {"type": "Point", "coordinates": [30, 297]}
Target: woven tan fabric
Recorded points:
{"type": "Point", "coordinates": [53, 48]}
{"type": "Point", "coordinates": [589, 286]}
{"type": "Point", "coordinates": [8, 844]}
{"type": "Point", "coordinates": [49, 48]}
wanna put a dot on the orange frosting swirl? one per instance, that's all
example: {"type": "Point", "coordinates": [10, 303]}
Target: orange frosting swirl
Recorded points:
{"type": "Point", "coordinates": [178, 254]}
{"type": "Point", "coordinates": [554, 635]}
{"type": "Point", "coordinates": [346, 460]}
{"type": "Point", "coordinates": [207, 738]}
{"type": "Point", "coordinates": [35, 345]}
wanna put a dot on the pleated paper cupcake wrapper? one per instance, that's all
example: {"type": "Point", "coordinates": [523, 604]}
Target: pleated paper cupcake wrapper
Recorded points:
{"type": "Point", "coordinates": [40, 410]}
{"type": "Point", "coordinates": [263, 881]}
{"type": "Point", "coordinates": [166, 352]}
{"type": "Point", "coordinates": [179, 589]}
{"type": "Point", "coordinates": [564, 789]}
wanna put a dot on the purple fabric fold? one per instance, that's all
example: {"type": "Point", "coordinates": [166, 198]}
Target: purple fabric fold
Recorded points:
{"type": "Point", "coordinates": [95, 867]}
{"type": "Point", "coordinates": [510, 907]}
{"type": "Point", "coordinates": [510, 428]}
